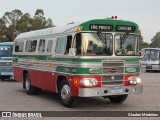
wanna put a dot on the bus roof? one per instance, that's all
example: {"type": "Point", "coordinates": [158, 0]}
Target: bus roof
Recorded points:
{"type": "Point", "coordinates": [85, 26]}
{"type": "Point", "coordinates": [48, 31]}
{"type": "Point", "coordinates": [6, 43]}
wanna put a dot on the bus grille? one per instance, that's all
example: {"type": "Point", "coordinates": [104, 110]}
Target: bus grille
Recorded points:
{"type": "Point", "coordinates": [5, 63]}
{"type": "Point", "coordinates": [6, 69]}
{"type": "Point", "coordinates": [112, 72]}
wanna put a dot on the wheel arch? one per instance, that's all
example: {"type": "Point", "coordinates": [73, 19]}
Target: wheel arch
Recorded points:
{"type": "Point", "coordinates": [59, 79]}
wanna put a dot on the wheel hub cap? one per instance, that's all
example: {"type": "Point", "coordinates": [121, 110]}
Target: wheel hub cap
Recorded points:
{"type": "Point", "coordinates": [66, 92]}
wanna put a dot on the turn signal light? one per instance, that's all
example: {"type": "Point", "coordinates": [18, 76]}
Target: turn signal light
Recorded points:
{"type": "Point", "coordinates": [79, 29]}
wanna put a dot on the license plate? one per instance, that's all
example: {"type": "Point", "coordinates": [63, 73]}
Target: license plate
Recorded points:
{"type": "Point", "coordinates": [149, 67]}
{"type": "Point", "coordinates": [116, 90]}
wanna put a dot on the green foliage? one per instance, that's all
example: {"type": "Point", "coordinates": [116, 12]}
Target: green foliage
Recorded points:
{"type": "Point", "coordinates": [40, 22]}
{"type": "Point", "coordinates": [143, 44]}
{"type": "Point", "coordinates": [2, 30]}
{"type": "Point", "coordinates": [15, 22]}
{"type": "Point", "coordinates": [24, 24]}
{"type": "Point", "coordinates": [155, 42]}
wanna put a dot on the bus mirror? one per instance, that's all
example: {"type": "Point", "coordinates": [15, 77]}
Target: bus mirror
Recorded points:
{"type": "Point", "coordinates": [72, 51]}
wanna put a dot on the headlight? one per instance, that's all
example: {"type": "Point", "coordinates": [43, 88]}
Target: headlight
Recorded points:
{"type": "Point", "coordinates": [134, 80]}
{"type": "Point", "coordinates": [89, 82]}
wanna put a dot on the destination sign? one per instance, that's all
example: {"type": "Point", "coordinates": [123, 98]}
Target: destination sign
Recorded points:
{"type": "Point", "coordinates": [101, 27]}
{"type": "Point", "coordinates": [123, 28]}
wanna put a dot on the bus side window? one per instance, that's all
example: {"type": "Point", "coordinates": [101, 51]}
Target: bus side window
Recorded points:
{"type": "Point", "coordinates": [31, 45]}
{"type": "Point", "coordinates": [61, 45]}
{"type": "Point", "coordinates": [49, 46]}
{"type": "Point", "coordinates": [19, 46]}
{"type": "Point", "coordinates": [41, 47]}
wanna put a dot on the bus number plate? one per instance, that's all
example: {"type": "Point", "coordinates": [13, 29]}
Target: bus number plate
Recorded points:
{"type": "Point", "coordinates": [116, 90]}
{"type": "Point", "coordinates": [148, 66]}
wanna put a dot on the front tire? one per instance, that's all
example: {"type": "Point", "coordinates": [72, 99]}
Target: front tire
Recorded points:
{"type": "Point", "coordinates": [2, 78]}
{"type": "Point", "coordinates": [64, 94]}
{"type": "Point", "coordinates": [118, 98]}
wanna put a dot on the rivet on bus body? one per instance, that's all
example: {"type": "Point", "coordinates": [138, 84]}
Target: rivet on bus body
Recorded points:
{"type": "Point", "coordinates": [134, 89]}
{"type": "Point", "coordinates": [97, 92]}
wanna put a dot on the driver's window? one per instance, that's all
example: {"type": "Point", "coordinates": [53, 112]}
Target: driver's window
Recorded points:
{"type": "Point", "coordinates": [77, 43]}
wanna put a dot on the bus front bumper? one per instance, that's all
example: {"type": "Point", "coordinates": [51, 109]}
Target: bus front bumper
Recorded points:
{"type": "Point", "coordinates": [108, 91]}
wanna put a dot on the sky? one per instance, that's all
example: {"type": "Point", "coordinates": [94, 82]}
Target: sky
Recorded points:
{"type": "Point", "coordinates": [144, 12]}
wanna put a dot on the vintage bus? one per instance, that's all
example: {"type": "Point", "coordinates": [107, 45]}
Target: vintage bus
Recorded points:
{"type": "Point", "coordinates": [6, 69]}
{"type": "Point", "coordinates": [150, 59]}
{"type": "Point", "coordinates": [98, 57]}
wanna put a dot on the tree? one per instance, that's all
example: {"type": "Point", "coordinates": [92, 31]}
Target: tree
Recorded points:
{"type": "Point", "coordinates": [24, 24]}
{"type": "Point", "coordinates": [155, 42]}
{"type": "Point", "coordinates": [15, 22]}
{"type": "Point", "coordinates": [49, 23]}
{"type": "Point", "coordinates": [2, 30]}
{"type": "Point", "coordinates": [40, 22]}
{"type": "Point", "coordinates": [143, 44]}
{"type": "Point", "coordinates": [11, 19]}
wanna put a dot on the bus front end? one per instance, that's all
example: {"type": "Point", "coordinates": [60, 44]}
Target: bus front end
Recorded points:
{"type": "Point", "coordinates": [150, 60]}
{"type": "Point", "coordinates": [107, 63]}
{"type": "Point", "coordinates": [117, 78]}
{"type": "Point", "coordinates": [6, 69]}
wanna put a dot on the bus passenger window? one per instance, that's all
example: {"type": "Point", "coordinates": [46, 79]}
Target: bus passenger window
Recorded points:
{"type": "Point", "coordinates": [41, 46]}
{"type": "Point", "coordinates": [61, 45]}
{"type": "Point", "coordinates": [31, 45]}
{"type": "Point", "coordinates": [19, 46]}
{"type": "Point", "coordinates": [49, 46]}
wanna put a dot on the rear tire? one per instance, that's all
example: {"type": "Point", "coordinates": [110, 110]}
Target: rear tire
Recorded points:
{"type": "Point", "coordinates": [118, 98]}
{"type": "Point", "coordinates": [64, 94]}
{"type": "Point", "coordinates": [30, 90]}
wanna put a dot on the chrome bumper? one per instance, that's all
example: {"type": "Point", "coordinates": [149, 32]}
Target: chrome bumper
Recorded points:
{"type": "Point", "coordinates": [107, 91]}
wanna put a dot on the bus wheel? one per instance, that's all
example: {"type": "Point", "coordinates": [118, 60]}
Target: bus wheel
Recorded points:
{"type": "Point", "coordinates": [30, 90]}
{"type": "Point", "coordinates": [118, 98]}
{"type": "Point", "coordinates": [64, 94]}
{"type": "Point", "coordinates": [2, 78]}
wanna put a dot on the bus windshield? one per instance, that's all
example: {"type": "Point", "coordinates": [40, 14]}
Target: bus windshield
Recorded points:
{"type": "Point", "coordinates": [94, 44]}
{"type": "Point", "coordinates": [5, 51]}
{"type": "Point", "coordinates": [150, 55]}
{"type": "Point", "coordinates": [126, 44]}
